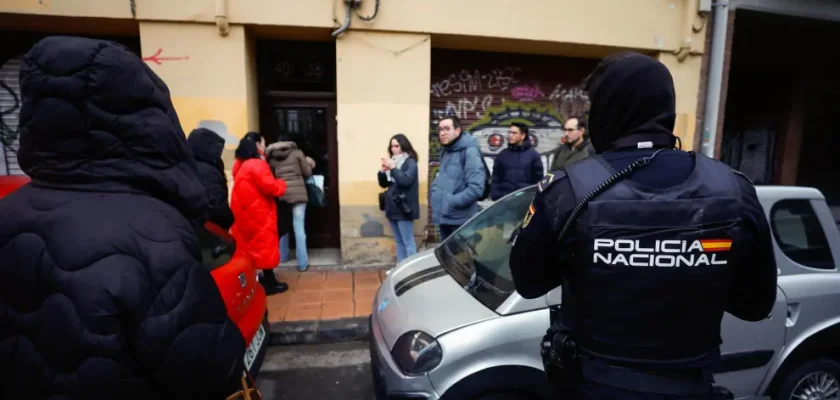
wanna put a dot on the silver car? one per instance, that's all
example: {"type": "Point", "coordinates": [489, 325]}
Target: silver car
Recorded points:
{"type": "Point", "coordinates": [448, 324]}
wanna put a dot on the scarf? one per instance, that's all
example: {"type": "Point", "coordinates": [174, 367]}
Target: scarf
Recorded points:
{"type": "Point", "coordinates": [398, 159]}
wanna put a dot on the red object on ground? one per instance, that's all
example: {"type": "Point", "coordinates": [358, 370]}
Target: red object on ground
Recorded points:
{"type": "Point", "coordinates": [244, 297]}
{"type": "Point", "coordinates": [10, 183]}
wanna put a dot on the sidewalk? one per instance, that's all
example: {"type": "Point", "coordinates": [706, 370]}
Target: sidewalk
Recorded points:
{"type": "Point", "coordinates": [323, 306]}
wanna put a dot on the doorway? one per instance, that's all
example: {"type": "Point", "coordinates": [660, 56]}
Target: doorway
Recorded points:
{"type": "Point", "coordinates": [311, 125]}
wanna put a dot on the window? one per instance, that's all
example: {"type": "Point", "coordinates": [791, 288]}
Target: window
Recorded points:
{"type": "Point", "coordinates": [800, 235]}
{"type": "Point", "coordinates": [476, 255]}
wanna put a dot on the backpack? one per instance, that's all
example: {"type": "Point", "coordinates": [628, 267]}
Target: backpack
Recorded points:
{"type": "Point", "coordinates": [487, 177]}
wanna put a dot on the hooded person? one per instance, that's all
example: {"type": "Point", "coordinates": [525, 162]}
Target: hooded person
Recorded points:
{"type": "Point", "coordinates": [207, 147]}
{"type": "Point", "coordinates": [613, 226]}
{"type": "Point", "coordinates": [102, 292]}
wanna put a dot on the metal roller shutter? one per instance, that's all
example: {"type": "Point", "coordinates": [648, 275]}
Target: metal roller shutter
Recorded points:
{"type": "Point", "coordinates": [10, 110]}
{"type": "Point", "coordinates": [487, 91]}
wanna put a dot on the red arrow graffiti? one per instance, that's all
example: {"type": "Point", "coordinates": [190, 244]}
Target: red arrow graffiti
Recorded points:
{"type": "Point", "coordinates": [156, 58]}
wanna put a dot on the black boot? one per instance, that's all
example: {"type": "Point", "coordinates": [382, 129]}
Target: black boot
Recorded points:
{"type": "Point", "coordinates": [271, 285]}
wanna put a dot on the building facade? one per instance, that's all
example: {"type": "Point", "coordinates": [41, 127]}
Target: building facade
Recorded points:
{"type": "Point", "coordinates": [346, 75]}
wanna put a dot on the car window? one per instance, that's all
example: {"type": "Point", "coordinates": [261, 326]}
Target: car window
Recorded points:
{"type": "Point", "coordinates": [217, 247]}
{"type": "Point", "coordinates": [800, 235]}
{"type": "Point", "coordinates": [476, 255]}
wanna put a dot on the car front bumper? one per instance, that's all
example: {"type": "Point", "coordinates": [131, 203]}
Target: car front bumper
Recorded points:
{"type": "Point", "coordinates": [389, 382]}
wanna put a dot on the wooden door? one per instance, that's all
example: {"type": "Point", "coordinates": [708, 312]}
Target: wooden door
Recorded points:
{"type": "Point", "coordinates": [311, 123]}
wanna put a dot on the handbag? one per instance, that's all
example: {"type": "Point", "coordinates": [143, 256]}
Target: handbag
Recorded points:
{"type": "Point", "coordinates": [315, 193]}
{"type": "Point", "coordinates": [248, 392]}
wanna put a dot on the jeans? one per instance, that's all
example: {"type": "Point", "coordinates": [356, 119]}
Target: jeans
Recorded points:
{"type": "Point", "coordinates": [447, 230]}
{"type": "Point", "coordinates": [404, 236]}
{"type": "Point", "coordinates": [298, 219]}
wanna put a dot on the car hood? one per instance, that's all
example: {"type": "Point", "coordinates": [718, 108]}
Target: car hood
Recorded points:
{"type": "Point", "coordinates": [420, 295]}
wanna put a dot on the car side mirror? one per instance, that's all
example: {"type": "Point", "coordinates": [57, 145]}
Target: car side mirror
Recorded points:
{"type": "Point", "coordinates": [219, 250]}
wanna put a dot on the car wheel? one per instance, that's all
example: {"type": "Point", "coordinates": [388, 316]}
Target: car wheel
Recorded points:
{"type": "Point", "coordinates": [509, 396]}
{"type": "Point", "coordinates": [815, 379]}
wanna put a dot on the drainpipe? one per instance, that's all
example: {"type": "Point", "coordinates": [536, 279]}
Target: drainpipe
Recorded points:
{"type": "Point", "coordinates": [348, 7]}
{"type": "Point", "coordinates": [713, 84]}
{"type": "Point", "coordinates": [222, 18]}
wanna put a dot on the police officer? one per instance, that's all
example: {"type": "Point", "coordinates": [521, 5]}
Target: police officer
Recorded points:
{"type": "Point", "coordinates": [651, 245]}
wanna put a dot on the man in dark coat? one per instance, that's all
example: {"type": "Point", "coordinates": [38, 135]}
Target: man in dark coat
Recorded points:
{"type": "Point", "coordinates": [102, 295]}
{"type": "Point", "coordinates": [207, 147]}
{"type": "Point", "coordinates": [517, 166]}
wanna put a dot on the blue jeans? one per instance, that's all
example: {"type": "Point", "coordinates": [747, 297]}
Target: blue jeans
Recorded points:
{"type": "Point", "coordinates": [298, 219]}
{"type": "Point", "coordinates": [404, 236]}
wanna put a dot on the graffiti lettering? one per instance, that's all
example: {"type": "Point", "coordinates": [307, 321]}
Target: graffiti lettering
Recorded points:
{"type": "Point", "coordinates": [526, 93]}
{"type": "Point", "coordinates": [569, 101]}
{"type": "Point", "coordinates": [157, 58]}
{"type": "Point", "coordinates": [470, 82]}
{"type": "Point", "coordinates": [467, 108]}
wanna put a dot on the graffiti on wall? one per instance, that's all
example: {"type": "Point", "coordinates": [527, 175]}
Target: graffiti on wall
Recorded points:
{"type": "Point", "coordinates": [487, 102]}
{"type": "Point", "coordinates": [9, 114]}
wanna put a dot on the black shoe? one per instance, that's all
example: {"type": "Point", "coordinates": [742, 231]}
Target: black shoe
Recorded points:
{"type": "Point", "coordinates": [279, 287]}
{"type": "Point", "coordinates": [271, 284]}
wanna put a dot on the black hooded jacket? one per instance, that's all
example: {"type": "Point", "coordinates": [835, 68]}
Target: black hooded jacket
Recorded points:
{"type": "Point", "coordinates": [102, 295]}
{"type": "Point", "coordinates": [634, 102]}
{"type": "Point", "coordinates": [207, 147]}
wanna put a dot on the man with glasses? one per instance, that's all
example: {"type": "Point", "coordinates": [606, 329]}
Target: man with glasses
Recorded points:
{"type": "Point", "coordinates": [576, 145]}
{"type": "Point", "coordinates": [459, 183]}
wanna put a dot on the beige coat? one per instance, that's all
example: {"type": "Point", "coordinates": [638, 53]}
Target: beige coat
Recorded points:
{"type": "Point", "coordinates": [288, 163]}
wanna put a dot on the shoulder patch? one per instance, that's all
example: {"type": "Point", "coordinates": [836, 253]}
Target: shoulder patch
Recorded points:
{"type": "Point", "coordinates": [528, 215]}
{"type": "Point", "coordinates": [550, 178]}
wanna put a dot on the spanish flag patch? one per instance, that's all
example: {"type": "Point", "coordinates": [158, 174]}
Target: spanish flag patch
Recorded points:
{"type": "Point", "coordinates": [716, 245]}
{"type": "Point", "coordinates": [529, 215]}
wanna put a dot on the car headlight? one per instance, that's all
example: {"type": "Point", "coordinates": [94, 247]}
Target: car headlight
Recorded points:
{"type": "Point", "coordinates": [417, 353]}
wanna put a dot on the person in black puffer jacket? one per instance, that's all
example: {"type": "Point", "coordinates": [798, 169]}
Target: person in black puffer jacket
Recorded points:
{"type": "Point", "coordinates": [207, 147]}
{"type": "Point", "coordinates": [517, 166]}
{"type": "Point", "coordinates": [102, 295]}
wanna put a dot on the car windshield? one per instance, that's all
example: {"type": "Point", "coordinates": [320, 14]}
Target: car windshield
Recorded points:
{"type": "Point", "coordinates": [476, 255]}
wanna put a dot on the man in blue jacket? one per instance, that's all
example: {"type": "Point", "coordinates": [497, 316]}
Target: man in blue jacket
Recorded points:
{"type": "Point", "coordinates": [517, 166]}
{"type": "Point", "coordinates": [459, 183]}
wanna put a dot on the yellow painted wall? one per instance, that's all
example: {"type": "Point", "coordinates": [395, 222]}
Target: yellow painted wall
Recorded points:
{"type": "Point", "coordinates": [687, 84]}
{"type": "Point", "coordinates": [208, 75]}
{"type": "Point", "coordinates": [211, 78]}
{"type": "Point", "coordinates": [638, 24]}
{"type": "Point", "coordinates": [383, 82]}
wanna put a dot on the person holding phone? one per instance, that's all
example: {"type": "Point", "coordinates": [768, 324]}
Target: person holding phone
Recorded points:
{"type": "Point", "coordinates": [402, 200]}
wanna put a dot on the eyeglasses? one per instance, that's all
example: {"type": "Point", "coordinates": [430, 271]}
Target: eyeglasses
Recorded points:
{"type": "Point", "coordinates": [570, 129]}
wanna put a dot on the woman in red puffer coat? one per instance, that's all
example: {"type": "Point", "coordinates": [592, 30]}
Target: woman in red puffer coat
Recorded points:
{"type": "Point", "coordinates": [254, 209]}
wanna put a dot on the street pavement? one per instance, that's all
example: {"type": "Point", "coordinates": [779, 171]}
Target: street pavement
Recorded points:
{"type": "Point", "coordinates": [322, 372]}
